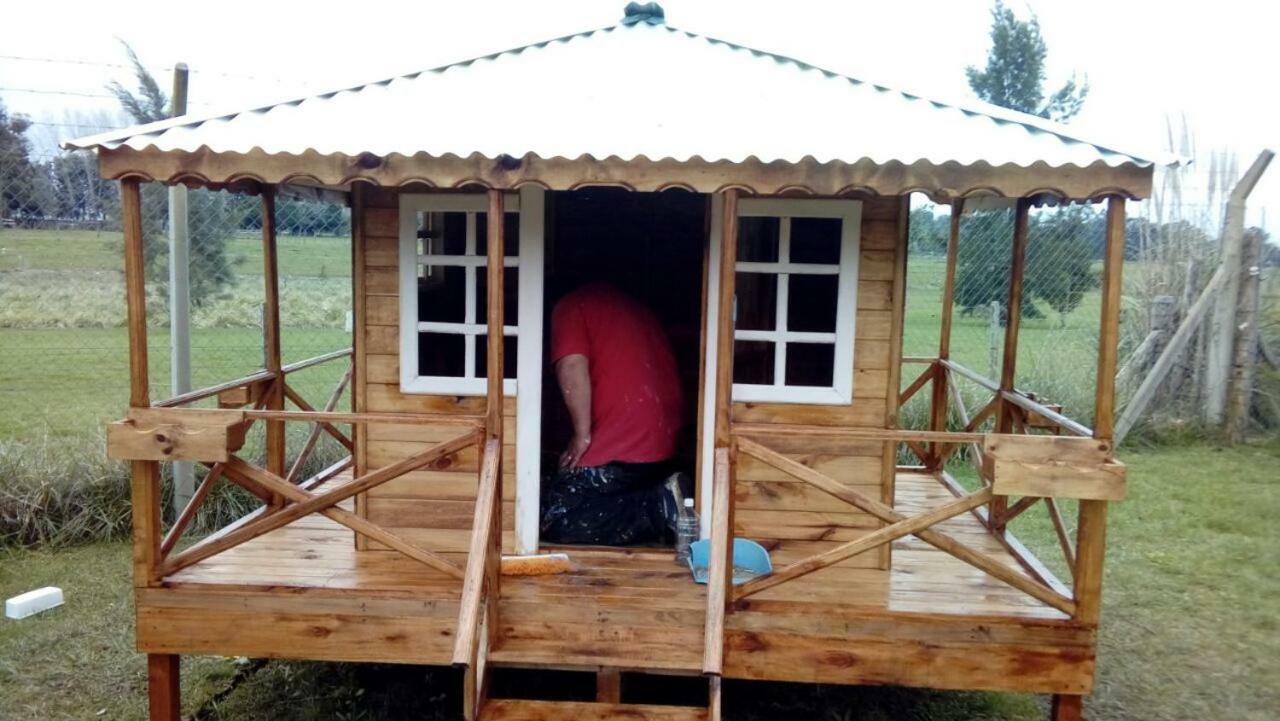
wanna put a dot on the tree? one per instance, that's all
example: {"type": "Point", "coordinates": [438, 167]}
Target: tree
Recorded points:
{"type": "Point", "coordinates": [19, 177]}
{"type": "Point", "coordinates": [927, 231]}
{"type": "Point", "coordinates": [1061, 248]}
{"type": "Point", "coordinates": [1014, 76]}
{"type": "Point", "coordinates": [215, 217]}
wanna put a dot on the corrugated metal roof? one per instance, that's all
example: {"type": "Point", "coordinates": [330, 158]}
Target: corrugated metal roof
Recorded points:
{"type": "Point", "coordinates": [630, 91]}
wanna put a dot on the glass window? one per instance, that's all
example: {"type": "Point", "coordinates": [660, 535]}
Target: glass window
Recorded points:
{"type": "Point", "coordinates": [446, 323]}
{"type": "Point", "coordinates": [794, 300]}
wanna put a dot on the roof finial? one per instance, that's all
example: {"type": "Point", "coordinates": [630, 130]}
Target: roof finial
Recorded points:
{"type": "Point", "coordinates": [650, 13]}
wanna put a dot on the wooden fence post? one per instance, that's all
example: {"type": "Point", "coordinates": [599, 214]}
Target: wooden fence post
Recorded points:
{"type": "Point", "coordinates": [1246, 349]}
{"type": "Point", "coordinates": [1221, 328]}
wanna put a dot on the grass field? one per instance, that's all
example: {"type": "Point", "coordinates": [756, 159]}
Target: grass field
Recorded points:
{"type": "Point", "coordinates": [92, 250]}
{"type": "Point", "coordinates": [1189, 631]}
{"type": "Point", "coordinates": [62, 341]}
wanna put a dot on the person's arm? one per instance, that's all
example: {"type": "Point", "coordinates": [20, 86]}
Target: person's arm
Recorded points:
{"type": "Point", "coordinates": [574, 375]}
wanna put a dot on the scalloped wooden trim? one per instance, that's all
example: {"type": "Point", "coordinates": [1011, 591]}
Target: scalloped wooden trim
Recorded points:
{"type": "Point", "coordinates": [807, 177]}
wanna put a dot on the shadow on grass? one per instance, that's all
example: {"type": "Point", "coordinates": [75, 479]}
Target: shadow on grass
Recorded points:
{"type": "Point", "coordinates": [302, 691]}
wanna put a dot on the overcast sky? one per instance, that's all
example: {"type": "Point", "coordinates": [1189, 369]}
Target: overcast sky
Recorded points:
{"type": "Point", "coordinates": [1211, 63]}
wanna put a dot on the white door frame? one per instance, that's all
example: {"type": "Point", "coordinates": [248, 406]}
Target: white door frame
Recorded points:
{"type": "Point", "coordinates": [529, 370]}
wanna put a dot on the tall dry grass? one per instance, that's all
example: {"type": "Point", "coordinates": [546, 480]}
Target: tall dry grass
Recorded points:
{"type": "Point", "coordinates": [61, 491]}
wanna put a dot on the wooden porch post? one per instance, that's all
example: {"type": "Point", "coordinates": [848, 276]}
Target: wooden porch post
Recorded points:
{"type": "Point", "coordinates": [162, 669]}
{"type": "Point", "coordinates": [1013, 319]}
{"type": "Point", "coordinates": [494, 375]}
{"type": "Point", "coordinates": [1091, 527]}
{"type": "Point", "coordinates": [275, 430]}
{"type": "Point", "coordinates": [163, 688]}
{"type": "Point", "coordinates": [724, 319]}
{"type": "Point", "coordinates": [144, 475]}
{"type": "Point", "coordinates": [359, 379]}
{"type": "Point", "coordinates": [720, 581]}
{"type": "Point", "coordinates": [938, 403]}
{"type": "Point", "coordinates": [1091, 531]}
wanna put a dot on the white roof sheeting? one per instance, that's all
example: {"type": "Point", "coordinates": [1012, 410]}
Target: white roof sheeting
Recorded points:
{"type": "Point", "coordinates": [628, 91]}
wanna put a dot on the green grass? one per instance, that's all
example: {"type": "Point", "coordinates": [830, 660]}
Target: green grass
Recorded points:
{"type": "Point", "coordinates": [92, 250]}
{"type": "Point", "coordinates": [1189, 627]}
{"type": "Point", "coordinates": [70, 381]}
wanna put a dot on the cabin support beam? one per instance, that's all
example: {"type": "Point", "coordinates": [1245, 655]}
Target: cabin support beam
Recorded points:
{"type": "Point", "coordinates": [163, 689]}
{"type": "Point", "coordinates": [938, 407]}
{"type": "Point", "coordinates": [144, 475]}
{"type": "Point", "coordinates": [359, 371]}
{"type": "Point", "coordinates": [162, 669]}
{"type": "Point", "coordinates": [720, 581]}
{"type": "Point", "coordinates": [275, 430]}
{"type": "Point", "coordinates": [1091, 528]}
{"type": "Point", "coordinates": [1013, 319]}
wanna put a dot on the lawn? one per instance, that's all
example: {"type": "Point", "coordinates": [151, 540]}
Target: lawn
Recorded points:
{"type": "Point", "coordinates": [93, 250]}
{"type": "Point", "coordinates": [1189, 628]}
{"type": "Point", "coordinates": [69, 381]}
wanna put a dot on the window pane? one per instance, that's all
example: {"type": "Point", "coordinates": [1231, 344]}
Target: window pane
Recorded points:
{"type": "Point", "coordinates": [811, 364]}
{"type": "Point", "coordinates": [442, 233]}
{"type": "Point", "coordinates": [441, 354]}
{"type": "Point", "coordinates": [757, 301]}
{"type": "Point", "coordinates": [510, 234]}
{"type": "Point", "coordinates": [758, 240]}
{"type": "Point", "coordinates": [815, 240]}
{"type": "Point", "coordinates": [753, 362]}
{"type": "Point", "coordinates": [811, 302]}
{"type": "Point", "coordinates": [442, 293]}
{"type": "Point", "coordinates": [508, 356]}
{"type": "Point", "coordinates": [510, 295]}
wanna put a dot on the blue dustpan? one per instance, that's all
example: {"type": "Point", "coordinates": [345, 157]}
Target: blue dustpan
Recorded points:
{"type": "Point", "coordinates": [750, 560]}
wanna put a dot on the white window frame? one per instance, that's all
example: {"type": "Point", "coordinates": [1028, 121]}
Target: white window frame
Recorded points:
{"type": "Point", "coordinates": [840, 392]}
{"type": "Point", "coordinates": [527, 386]}
{"type": "Point", "coordinates": [469, 384]}
{"type": "Point", "coordinates": [845, 316]}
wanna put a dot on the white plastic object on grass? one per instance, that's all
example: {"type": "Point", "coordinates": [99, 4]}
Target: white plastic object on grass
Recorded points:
{"type": "Point", "coordinates": [33, 602]}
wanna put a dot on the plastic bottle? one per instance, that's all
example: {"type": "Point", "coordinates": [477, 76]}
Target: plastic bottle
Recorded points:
{"type": "Point", "coordinates": [686, 531]}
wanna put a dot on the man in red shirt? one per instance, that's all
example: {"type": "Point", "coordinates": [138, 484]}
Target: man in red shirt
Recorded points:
{"type": "Point", "coordinates": [618, 376]}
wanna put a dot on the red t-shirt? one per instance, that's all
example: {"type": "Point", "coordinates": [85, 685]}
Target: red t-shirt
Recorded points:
{"type": "Point", "coordinates": [635, 390]}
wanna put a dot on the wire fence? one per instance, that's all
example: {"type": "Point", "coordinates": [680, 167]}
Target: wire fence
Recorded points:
{"type": "Point", "coordinates": [63, 350]}
{"type": "Point", "coordinates": [63, 341]}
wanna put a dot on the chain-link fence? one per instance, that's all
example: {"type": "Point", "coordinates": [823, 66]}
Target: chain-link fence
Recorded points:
{"type": "Point", "coordinates": [1171, 250]}
{"type": "Point", "coordinates": [63, 359]}
{"type": "Point", "coordinates": [63, 349]}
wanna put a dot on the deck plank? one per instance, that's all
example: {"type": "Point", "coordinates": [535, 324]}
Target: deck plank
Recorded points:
{"type": "Point", "coordinates": [931, 620]}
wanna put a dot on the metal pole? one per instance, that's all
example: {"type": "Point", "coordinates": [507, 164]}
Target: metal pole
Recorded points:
{"type": "Point", "coordinates": [180, 298]}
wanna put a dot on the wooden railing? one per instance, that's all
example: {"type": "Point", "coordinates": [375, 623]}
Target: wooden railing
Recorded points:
{"type": "Point", "coordinates": [212, 437]}
{"type": "Point", "coordinates": [1025, 416]}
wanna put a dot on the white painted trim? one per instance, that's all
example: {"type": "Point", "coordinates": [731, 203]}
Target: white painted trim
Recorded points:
{"type": "Point", "coordinates": [462, 328]}
{"type": "Point", "coordinates": [775, 268]}
{"type": "Point", "coordinates": [527, 386]}
{"type": "Point", "coordinates": [463, 260]}
{"type": "Point", "coordinates": [529, 372]}
{"type": "Point", "coordinates": [841, 391]}
{"type": "Point", "coordinates": [471, 203]}
{"type": "Point", "coordinates": [785, 336]}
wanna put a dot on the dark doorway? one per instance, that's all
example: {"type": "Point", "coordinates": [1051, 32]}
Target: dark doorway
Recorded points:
{"type": "Point", "coordinates": [650, 245]}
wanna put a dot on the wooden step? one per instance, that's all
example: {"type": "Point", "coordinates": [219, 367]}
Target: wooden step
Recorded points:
{"type": "Point", "coordinates": [677, 658]}
{"type": "Point", "coordinates": [521, 710]}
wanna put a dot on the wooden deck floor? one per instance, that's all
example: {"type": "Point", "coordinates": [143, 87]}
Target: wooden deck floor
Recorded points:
{"type": "Point", "coordinates": [932, 620]}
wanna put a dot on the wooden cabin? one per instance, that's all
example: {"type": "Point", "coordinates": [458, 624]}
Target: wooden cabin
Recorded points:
{"type": "Point", "coordinates": [728, 177]}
